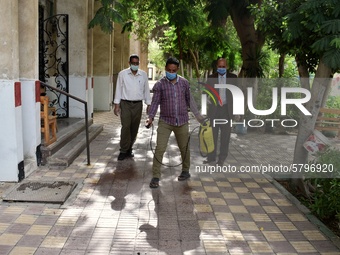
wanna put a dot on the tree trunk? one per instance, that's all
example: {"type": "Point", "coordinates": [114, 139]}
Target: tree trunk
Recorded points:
{"type": "Point", "coordinates": [307, 123]}
{"type": "Point", "coordinates": [195, 60]}
{"type": "Point", "coordinates": [282, 64]}
{"type": "Point", "coordinates": [251, 40]}
{"type": "Point", "coordinates": [303, 72]}
{"type": "Point", "coordinates": [326, 94]}
{"type": "Point", "coordinates": [178, 33]}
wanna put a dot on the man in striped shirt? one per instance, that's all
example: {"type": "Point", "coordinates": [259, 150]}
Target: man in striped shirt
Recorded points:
{"type": "Point", "coordinates": [172, 94]}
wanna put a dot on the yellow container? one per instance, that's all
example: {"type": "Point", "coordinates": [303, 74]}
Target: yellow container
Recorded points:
{"type": "Point", "coordinates": [206, 138]}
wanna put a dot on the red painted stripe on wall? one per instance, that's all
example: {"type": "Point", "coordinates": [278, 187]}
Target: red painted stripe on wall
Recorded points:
{"type": "Point", "coordinates": [17, 93]}
{"type": "Point", "coordinates": [37, 91]}
{"type": "Point", "coordinates": [87, 84]}
{"type": "Point", "coordinates": [92, 82]}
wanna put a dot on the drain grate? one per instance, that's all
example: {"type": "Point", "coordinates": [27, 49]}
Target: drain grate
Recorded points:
{"type": "Point", "coordinates": [42, 192]}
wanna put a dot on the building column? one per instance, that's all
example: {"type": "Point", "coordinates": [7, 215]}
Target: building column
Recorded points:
{"type": "Point", "coordinates": [121, 52]}
{"type": "Point", "coordinates": [29, 76]}
{"type": "Point", "coordinates": [77, 11]}
{"type": "Point", "coordinates": [11, 149]}
{"type": "Point", "coordinates": [90, 84]}
{"type": "Point", "coordinates": [102, 68]}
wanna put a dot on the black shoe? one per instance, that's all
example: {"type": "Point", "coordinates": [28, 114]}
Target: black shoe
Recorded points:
{"type": "Point", "coordinates": [184, 175]}
{"type": "Point", "coordinates": [130, 153]}
{"type": "Point", "coordinates": [220, 162]}
{"type": "Point", "coordinates": [154, 183]}
{"type": "Point", "coordinates": [122, 156]}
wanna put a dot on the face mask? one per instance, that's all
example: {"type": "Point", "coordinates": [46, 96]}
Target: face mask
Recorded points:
{"type": "Point", "coordinates": [221, 71]}
{"type": "Point", "coordinates": [134, 68]}
{"type": "Point", "coordinates": [170, 76]}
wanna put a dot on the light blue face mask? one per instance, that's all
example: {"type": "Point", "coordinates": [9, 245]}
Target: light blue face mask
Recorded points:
{"type": "Point", "coordinates": [221, 70]}
{"type": "Point", "coordinates": [134, 68]}
{"type": "Point", "coordinates": [170, 76]}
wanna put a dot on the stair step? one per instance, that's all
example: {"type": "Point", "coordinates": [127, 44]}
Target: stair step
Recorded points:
{"type": "Point", "coordinates": [63, 137]}
{"type": "Point", "coordinates": [73, 148]}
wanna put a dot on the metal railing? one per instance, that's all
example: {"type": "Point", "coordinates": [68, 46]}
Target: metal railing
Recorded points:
{"type": "Point", "coordinates": [86, 115]}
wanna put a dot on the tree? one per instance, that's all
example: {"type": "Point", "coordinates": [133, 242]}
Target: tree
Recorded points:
{"type": "Point", "coordinates": [252, 40]}
{"type": "Point", "coordinates": [180, 27]}
{"type": "Point", "coordinates": [309, 30]}
{"type": "Point", "coordinates": [320, 20]}
{"type": "Point", "coordinates": [110, 11]}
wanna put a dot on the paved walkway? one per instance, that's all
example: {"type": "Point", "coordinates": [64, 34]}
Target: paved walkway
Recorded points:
{"type": "Point", "coordinates": [113, 210]}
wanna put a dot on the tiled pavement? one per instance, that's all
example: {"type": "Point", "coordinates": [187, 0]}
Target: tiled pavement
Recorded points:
{"type": "Point", "coordinates": [113, 210]}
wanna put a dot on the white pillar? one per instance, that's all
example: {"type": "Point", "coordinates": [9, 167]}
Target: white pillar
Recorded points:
{"type": "Point", "coordinates": [90, 16]}
{"type": "Point", "coordinates": [29, 74]}
{"type": "Point", "coordinates": [103, 48]}
{"type": "Point", "coordinates": [90, 96]}
{"type": "Point", "coordinates": [11, 149]}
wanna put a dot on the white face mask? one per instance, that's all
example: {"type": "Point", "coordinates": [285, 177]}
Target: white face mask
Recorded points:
{"type": "Point", "coordinates": [134, 67]}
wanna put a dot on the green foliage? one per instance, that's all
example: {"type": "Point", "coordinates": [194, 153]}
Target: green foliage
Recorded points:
{"type": "Point", "coordinates": [201, 43]}
{"type": "Point", "coordinates": [215, 42]}
{"type": "Point", "coordinates": [320, 27]}
{"type": "Point", "coordinates": [325, 200]}
{"type": "Point", "coordinates": [218, 11]}
{"type": "Point", "coordinates": [260, 59]}
{"type": "Point", "coordinates": [333, 102]}
{"type": "Point", "coordinates": [111, 11]}
{"type": "Point", "coordinates": [308, 30]}
{"type": "Point", "coordinates": [156, 57]}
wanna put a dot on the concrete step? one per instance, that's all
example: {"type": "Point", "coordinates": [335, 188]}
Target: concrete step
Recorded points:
{"type": "Point", "coordinates": [68, 130]}
{"type": "Point", "coordinates": [73, 148]}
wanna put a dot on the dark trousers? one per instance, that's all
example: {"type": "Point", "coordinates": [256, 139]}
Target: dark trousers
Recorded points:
{"type": "Point", "coordinates": [224, 130]}
{"type": "Point", "coordinates": [130, 117]}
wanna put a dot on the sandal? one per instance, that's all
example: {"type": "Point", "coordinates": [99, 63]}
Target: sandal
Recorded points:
{"type": "Point", "coordinates": [184, 175]}
{"type": "Point", "coordinates": [154, 183]}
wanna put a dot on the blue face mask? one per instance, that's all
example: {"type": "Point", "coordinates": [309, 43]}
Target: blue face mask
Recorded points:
{"type": "Point", "coordinates": [134, 68]}
{"type": "Point", "coordinates": [170, 76]}
{"type": "Point", "coordinates": [221, 71]}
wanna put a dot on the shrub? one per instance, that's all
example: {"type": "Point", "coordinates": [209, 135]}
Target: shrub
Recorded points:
{"type": "Point", "coordinates": [325, 200]}
{"type": "Point", "coordinates": [333, 102]}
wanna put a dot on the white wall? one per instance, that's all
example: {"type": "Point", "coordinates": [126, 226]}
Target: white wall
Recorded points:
{"type": "Point", "coordinates": [103, 93]}
{"type": "Point", "coordinates": [77, 88]}
{"type": "Point", "coordinates": [11, 147]}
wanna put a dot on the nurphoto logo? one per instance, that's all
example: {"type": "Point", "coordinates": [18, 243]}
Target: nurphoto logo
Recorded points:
{"type": "Point", "coordinates": [239, 105]}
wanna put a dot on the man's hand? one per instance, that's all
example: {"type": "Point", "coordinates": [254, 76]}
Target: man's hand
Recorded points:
{"type": "Point", "coordinates": [148, 123]}
{"type": "Point", "coordinates": [116, 110]}
{"type": "Point", "coordinates": [200, 118]}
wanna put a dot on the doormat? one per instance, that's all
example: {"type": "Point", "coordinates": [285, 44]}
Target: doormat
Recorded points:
{"type": "Point", "coordinates": [40, 191]}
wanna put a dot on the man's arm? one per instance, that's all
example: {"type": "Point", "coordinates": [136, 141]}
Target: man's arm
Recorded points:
{"type": "Point", "coordinates": [156, 99]}
{"type": "Point", "coordinates": [118, 95]}
{"type": "Point", "coordinates": [147, 96]}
